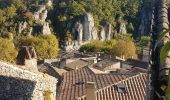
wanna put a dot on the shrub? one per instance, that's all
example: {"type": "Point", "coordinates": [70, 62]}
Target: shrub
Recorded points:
{"type": "Point", "coordinates": [98, 46]}
{"type": "Point", "coordinates": [93, 46]}
{"type": "Point", "coordinates": [144, 41]}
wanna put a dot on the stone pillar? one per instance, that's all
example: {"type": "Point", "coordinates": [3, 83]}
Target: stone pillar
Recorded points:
{"type": "Point", "coordinates": [91, 91]}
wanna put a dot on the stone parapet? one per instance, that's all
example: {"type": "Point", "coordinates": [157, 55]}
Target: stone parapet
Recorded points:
{"type": "Point", "coordinates": [19, 84]}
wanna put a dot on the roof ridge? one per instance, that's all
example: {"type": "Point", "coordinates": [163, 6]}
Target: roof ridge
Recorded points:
{"type": "Point", "coordinates": [128, 78]}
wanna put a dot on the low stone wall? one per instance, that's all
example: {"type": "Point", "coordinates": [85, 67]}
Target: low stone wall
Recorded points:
{"type": "Point", "coordinates": [19, 84]}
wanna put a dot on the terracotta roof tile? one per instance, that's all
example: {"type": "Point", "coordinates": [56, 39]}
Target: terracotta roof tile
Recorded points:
{"type": "Point", "coordinates": [73, 85]}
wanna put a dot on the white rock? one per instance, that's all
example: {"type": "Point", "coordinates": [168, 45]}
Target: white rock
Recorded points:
{"type": "Point", "coordinates": [88, 26]}
{"type": "Point", "coordinates": [102, 34]}
{"type": "Point", "coordinates": [44, 15]}
{"type": "Point", "coordinates": [46, 29]}
{"type": "Point", "coordinates": [94, 33]}
{"type": "Point", "coordinates": [22, 26]}
{"type": "Point", "coordinates": [122, 28]}
{"type": "Point", "coordinates": [79, 29]}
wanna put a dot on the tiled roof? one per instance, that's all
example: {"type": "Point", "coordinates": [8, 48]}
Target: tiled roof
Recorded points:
{"type": "Point", "coordinates": [136, 63]}
{"type": "Point", "coordinates": [77, 64]}
{"type": "Point", "coordinates": [74, 82]}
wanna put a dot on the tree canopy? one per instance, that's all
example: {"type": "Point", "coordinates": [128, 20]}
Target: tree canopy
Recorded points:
{"type": "Point", "coordinates": [7, 50]}
{"type": "Point", "coordinates": [46, 47]}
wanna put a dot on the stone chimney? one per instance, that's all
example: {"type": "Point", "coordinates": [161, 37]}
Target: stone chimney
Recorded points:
{"type": "Point", "coordinates": [27, 58]}
{"type": "Point", "coordinates": [91, 91]}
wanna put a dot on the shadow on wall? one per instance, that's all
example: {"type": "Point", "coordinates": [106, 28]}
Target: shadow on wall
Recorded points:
{"type": "Point", "coordinates": [16, 89]}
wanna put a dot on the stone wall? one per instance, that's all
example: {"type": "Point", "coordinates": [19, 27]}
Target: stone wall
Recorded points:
{"type": "Point", "coordinates": [19, 84]}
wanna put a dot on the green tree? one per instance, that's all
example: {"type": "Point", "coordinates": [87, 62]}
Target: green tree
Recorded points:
{"type": "Point", "coordinates": [10, 12]}
{"type": "Point", "coordinates": [46, 47]}
{"type": "Point", "coordinates": [2, 17]}
{"type": "Point", "coordinates": [144, 41]}
{"type": "Point", "coordinates": [124, 48]}
{"type": "Point", "coordinates": [7, 50]}
{"type": "Point", "coordinates": [77, 9]}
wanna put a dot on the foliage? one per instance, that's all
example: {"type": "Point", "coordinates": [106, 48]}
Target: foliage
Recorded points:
{"type": "Point", "coordinates": [108, 46]}
{"type": "Point", "coordinates": [98, 46]}
{"type": "Point", "coordinates": [48, 95]}
{"type": "Point", "coordinates": [130, 28]}
{"type": "Point", "coordinates": [168, 89]}
{"type": "Point", "coordinates": [164, 52]}
{"type": "Point", "coordinates": [166, 48]}
{"type": "Point", "coordinates": [144, 41]}
{"type": "Point", "coordinates": [125, 48]}
{"type": "Point", "coordinates": [93, 46]}
{"type": "Point", "coordinates": [7, 50]}
{"type": "Point", "coordinates": [77, 9]}
{"type": "Point", "coordinates": [46, 47]}
{"type": "Point", "coordinates": [103, 11]}
{"type": "Point", "coordinates": [163, 55]}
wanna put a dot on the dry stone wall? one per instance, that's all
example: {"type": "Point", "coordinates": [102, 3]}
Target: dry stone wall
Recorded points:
{"type": "Point", "coordinates": [19, 84]}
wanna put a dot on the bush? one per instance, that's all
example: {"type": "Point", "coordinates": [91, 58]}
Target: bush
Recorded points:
{"type": "Point", "coordinates": [144, 41]}
{"type": "Point", "coordinates": [46, 47]}
{"type": "Point", "coordinates": [7, 50]}
{"type": "Point", "coordinates": [98, 46]}
{"type": "Point", "coordinates": [124, 48]}
{"type": "Point", "coordinates": [93, 46]}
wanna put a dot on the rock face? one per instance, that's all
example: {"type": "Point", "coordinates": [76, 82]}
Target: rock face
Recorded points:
{"type": "Point", "coordinates": [71, 46]}
{"type": "Point", "coordinates": [44, 15]}
{"type": "Point", "coordinates": [122, 28]}
{"type": "Point", "coordinates": [94, 34]}
{"type": "Point", "coordinates": [141, 28]}
{"type": "Point", "coordinates": [102, 34]}
{"type": "Point", "coordinates": [78, 30]}
{"type": "Point", "coordinates": [46, 29]}
{"type": "Point", "coordinates": [108, 29]}
{"type": "Point", "coordinates": [89, 27]}
{"type": "Point", "coordinates": [22, 26]}
{"type": "Point", "coordinates": [40, 14]}
{"type": "Point", "coordinates": [49, 3]}
{"type": "Point", "coordinates": [86, 31]}
{"type": "Point", "coordinates": [40, 17]}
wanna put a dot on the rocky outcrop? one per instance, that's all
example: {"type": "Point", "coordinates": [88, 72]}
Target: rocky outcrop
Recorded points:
{"type": "Point", "coordinates": [49, 3]}
{"type": "Point", "coordinates": [40, 14]}
{"type": "Point", "coordinates": [86, 31]}
{"type": "Point", "coordinates": [22, 26]}
{"type": "Point", "coordinates": [102, 34]}
{"type": "Point", "coordinates": [108, 29]}
{"type": "Point", "coordinates": [122, 28]}
{"type": "Point", "coordinates": [42, 27]}
{"type": "Point", "coordinates": [71, 46]}
{"type": "Point", "coordinates": [78, 30]}
{"type": "Point", "coordinates": [89, 28]}
{"type": "Point", "coordinates": [43, 16]}
{"type": "Point", "coordinates": [46, 29]}
{"type": "Point", "coordinates": [141, 28]}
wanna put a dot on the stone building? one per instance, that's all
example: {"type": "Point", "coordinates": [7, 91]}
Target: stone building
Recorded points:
{"type": "Point", "coordinates": [23, 81]}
